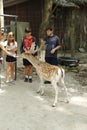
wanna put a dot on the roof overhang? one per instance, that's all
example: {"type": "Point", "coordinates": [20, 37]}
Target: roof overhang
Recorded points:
{"type": "Point", "coordinates": [79, 2]}
{"type": "Point", "coordinates": [8, 3]}
{"type": "Point", "coordinates": [65, 3]}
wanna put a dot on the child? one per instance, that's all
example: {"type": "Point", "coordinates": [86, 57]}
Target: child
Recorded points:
{"type": "Point", "coordinates": [11, 46]}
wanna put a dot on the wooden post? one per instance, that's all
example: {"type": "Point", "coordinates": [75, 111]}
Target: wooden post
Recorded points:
{"type": "Point", "coordinates": [16, 51]}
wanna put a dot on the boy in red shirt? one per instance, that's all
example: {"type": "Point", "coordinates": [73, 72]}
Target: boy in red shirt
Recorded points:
{"type": "Point", "coordinates": [28, 40]}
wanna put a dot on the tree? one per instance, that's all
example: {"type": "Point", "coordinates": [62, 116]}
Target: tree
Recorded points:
{"type": "Point", "coordinates": [47, 12]}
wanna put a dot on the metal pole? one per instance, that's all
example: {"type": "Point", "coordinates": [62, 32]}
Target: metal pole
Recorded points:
{"type": "Point", "coordinates": [0, 75]}
{"type": "Point", "coordinates": [16, 51]}
{"type": "Point", "coordinates": [1, 12]}
{"type": "Point", "coordinates": [7, 15]}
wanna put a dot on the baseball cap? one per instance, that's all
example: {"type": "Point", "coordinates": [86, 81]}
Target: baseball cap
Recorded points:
{"type": "Point", "coordinates": [27, 30]}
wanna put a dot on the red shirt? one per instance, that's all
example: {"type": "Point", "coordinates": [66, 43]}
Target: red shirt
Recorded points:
{"type": "Point", "coordinates": [28, 42]}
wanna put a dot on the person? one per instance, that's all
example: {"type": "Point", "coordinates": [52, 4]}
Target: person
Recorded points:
{"type": "Point", "coordinates": [27, 41]}
{"type": "Point", "coordinates": [11, 47]}
{"type": "Point", "coordinates": [1, 42]}
{"type": "Point", "coordinates": [1, 37]}
{"type": "Point", "coordinates": [52, 46]}
{"type": "Point", "coordinates": [2, 47]}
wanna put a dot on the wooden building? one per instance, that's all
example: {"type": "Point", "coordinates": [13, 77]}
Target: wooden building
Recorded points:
{"type": "Point", "coordinates": [69, 18]}
{"type": "Point", "coordinates": [71, 23]}
{"type": "Point", "coordinates": [26, 10]}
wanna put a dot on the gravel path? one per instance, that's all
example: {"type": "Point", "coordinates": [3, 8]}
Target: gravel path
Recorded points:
{"type": "Point", "coordinates": [21, 108]}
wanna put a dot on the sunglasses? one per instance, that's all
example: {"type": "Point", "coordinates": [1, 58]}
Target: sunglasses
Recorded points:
{"type": "Point", "coordinates": [11, 35]}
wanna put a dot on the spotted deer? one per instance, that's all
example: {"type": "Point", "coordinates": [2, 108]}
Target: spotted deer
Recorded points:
{"type": "Point", "coordinates": [45, 71]}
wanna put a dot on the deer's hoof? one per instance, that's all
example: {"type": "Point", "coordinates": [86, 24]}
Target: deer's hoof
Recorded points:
{"type": "Point", "coordinates": [42, 93]}
{"type": "Point", "coordinates": [67, 101]}
{"type": "Point", "coordinates": [53, 105]}
{"type": "Point", "coordinates": [38, 91]}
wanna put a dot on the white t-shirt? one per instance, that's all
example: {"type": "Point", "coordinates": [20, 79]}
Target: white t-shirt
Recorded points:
{"type": "Point", "coordinates": [2, 42]}
{"type": "Point", "coordinates": [11, 46]}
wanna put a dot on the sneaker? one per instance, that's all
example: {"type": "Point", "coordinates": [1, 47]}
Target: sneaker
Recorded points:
{"type": "Point", "coordinates": [11, 80]}
{"type": "Point", "coordinates": [7, 81]}
{"type": "Point", "coordinates": [26, 80]}
{"type": "Point", "coordinates": [30, 80]}
{"type": "Point", "coordinates": [47, 82]}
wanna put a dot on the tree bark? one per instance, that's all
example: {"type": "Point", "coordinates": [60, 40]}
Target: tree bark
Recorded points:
{"type": "Point", "coordinates": [47, 12]}
{"type": "Point", "coordinates": [72, 37]}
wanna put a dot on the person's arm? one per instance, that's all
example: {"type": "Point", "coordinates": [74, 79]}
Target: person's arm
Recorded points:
{"type": "Point", "coordinates": [57, 47]}
{"type": "Point", "coordinates": [6, 52]}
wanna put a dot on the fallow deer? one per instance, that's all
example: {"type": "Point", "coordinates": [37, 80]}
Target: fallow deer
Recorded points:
{"type": "Point", "coordinates": [45, 71]}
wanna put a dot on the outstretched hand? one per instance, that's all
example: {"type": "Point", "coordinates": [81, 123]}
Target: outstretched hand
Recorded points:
{"type": "Point", "coordinates": [15, 56]}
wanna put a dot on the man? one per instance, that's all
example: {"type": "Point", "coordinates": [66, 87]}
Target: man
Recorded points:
{"type": "Point", "coordinates": [28, 40]}
{"type": "Point", "coordinates": [52, 46]}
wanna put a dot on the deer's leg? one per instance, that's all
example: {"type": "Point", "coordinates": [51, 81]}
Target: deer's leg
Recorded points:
{"type": "Point", "coordinates": [63, 85]}
{"type": "Point", "coordinates": [42, 90]}
{"type": "Point", "coordinates": [41, 87]}
{"type": "Point", "coordinates": [54, 84]}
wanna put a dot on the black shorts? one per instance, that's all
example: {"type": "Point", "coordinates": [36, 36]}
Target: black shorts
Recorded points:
{"type": "Point", "coordinates": [10, 59]}
{"type": "Point", "coordinates": [26, 62]}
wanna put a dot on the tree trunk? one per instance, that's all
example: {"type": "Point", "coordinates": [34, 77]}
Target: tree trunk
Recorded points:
{"type": "Point", "coordinates": [47, 12]}
{"type": "Point", "coordinates": [72, 34]}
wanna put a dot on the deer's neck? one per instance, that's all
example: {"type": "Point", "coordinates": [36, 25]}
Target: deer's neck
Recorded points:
{"type": "Point", "coordinates": [33, 60]}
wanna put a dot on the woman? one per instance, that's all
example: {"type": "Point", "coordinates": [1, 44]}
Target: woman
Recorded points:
{"type": "Point", "coordinates": [11, 46]}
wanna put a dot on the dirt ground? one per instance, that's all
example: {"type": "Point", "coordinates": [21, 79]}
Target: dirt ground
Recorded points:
{"type": "Point", "coordinates": [79, 72]}
{"type": "Point", "coordinates": [21, 108]}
